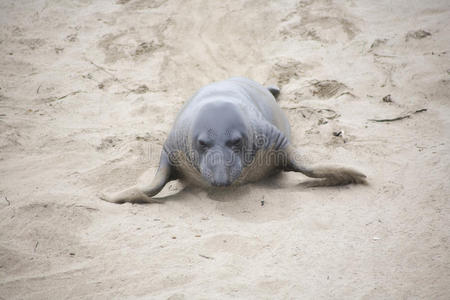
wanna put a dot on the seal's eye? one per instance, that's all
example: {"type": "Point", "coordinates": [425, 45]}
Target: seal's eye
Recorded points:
{"type": "Point", "coordinates": [235, 143]}
{"type": "Point", "coordinates": [203, 143]}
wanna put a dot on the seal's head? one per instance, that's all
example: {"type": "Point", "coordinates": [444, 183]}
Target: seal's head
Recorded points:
{"type": "Point", "coordinates": [219, 139]}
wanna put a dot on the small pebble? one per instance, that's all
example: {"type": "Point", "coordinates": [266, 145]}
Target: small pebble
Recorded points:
{"type": "Point", "coordinates": [387, 99]}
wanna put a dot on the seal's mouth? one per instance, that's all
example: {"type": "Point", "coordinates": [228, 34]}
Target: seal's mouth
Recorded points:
{"type": "Point", "coordinates": [221, 183]}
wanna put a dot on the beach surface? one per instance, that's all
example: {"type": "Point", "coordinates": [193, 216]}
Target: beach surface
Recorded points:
{"type": "Point", "coordinates": [89, 91]}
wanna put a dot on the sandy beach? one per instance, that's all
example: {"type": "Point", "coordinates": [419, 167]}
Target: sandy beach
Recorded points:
{"type": "Point", "coordinates": [89, 91]}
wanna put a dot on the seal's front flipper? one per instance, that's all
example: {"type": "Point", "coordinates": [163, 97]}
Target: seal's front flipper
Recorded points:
{"type": "Point", "coordinates": [274, 90]}
{"type": "Point", "coordinates": [331, 175]}
{"type": "Point", "coordinates": [132, 195]}
{"type": "Point", "coordinates": [142, 193]}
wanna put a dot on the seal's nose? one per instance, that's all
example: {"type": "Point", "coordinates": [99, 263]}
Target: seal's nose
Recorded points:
{"type": "Point", "coordinates": [220, 177]}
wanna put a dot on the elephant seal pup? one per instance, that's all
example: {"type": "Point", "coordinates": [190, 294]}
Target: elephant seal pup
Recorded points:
{"type": "Point", "coordinates": [229, 133]}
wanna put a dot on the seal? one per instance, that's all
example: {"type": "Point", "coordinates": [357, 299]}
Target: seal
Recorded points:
{"type": "Point", "coordinates": [230, 133]}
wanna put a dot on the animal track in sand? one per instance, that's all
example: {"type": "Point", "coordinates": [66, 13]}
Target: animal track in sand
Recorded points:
{"type": "Point", "coordinates": [287, 69]}
{"type": "Point", "coordinates": [417, 35]}
{"type": "Point", "coordinates": [109, 142]}
{"type": "Point", "coordinates": [311, 21]}
{"type": "Point", "coordinates": [327, 88]}
{"type": "Point", "coordinates": [126, 45]}
{"type": "Point", "coordinates": [33, 44]}
{"type": "Point", "coordinates": [322, 89]}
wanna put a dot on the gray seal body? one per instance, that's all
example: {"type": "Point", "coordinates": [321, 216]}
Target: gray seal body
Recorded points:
{"type": "Point", "coordinates": [223, 129]}
{"type": "Point", "coordinates": [229, 133]}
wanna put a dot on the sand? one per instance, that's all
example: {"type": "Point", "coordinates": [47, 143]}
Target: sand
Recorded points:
{"type": "Point", "coordinates": [90, 89]}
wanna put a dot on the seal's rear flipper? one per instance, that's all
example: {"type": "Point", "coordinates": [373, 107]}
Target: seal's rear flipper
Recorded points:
{"type": "Point", "coordinates": [274, 90]}
{"type": "Point", "coordinates": [142, 193]}
{"type": "Point", "coordinates": [331, 175]}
